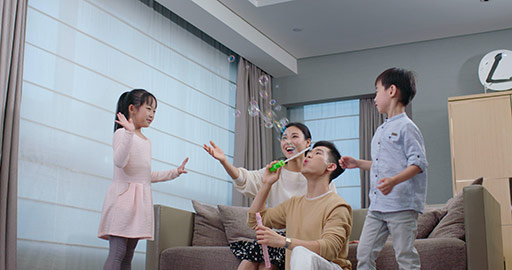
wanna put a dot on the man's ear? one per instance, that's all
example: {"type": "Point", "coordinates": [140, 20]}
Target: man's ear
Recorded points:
{"type": "Point", "coordinates": [331, 167]}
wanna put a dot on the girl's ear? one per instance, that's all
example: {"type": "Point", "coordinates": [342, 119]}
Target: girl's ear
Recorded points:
{"type": "Point", "coordinates": [131, 110]}
{"type": "Point", "coordinates": [308, 142]}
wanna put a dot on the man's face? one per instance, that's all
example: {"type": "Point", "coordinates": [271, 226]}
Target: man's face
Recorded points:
{"type": "Point", "coordinates": [316, 161]}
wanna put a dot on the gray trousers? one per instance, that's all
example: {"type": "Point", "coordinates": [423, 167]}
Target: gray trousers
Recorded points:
{"type": "Point", "coordinates": [402, 226]}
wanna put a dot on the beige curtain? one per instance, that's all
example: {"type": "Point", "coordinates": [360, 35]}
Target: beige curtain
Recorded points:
{"type": "Point", "coordinates": [253, 142]}
{"type": "Point", "coordinates": [369, 120]}
{"type": "Point", "coordinates": [13, 20]}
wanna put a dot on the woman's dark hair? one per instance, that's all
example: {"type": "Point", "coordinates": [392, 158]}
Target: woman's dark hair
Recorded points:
{"type": "Point", "coordinates": [334, 155]}
{"type": "Point", "coordinates": [402, 79]}
{"type": "Point", "coordinates": [302, 127]}
{"type": "Point", "coordinates": [137, 98]}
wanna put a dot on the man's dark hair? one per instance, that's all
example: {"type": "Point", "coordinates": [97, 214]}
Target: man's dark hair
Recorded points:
{"type": "Point", "coordinates": [333, 157]}
{"type": "Point", "coordinates": [402, 79]}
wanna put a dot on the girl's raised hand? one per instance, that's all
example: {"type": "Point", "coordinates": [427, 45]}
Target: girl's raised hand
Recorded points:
{"type": "Point", "coordinates": [127, 124]}
{"type": "Point", "coordinates": [181, 169]}
{"type": "Point", "coordinates": [214, 151]}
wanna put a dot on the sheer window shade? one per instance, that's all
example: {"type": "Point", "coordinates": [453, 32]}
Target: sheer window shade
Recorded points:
{"type": "Point", "coordinates": [80, 55]}
{"type": "Point", "coordinates": [337, 122]}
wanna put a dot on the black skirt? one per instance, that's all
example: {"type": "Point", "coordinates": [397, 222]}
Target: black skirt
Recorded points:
{"type": "Point", "coordinates": [253, 252]}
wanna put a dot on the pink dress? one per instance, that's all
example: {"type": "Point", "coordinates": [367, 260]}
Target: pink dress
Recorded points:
{"type": "Point", "coordinates": [128, 206]}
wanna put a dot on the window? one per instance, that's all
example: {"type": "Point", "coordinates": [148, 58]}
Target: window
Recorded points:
{"type": "Point", "coordinates": [337, 122]}
{"type": "Point", "coordinates": [80, 55]}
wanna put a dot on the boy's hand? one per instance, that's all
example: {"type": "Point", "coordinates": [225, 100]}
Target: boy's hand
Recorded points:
{"type": "Point", "coordinates": [385, 185]}
{"type": "Point", "coordinates": [347, 162]}
{"type": "Point", "coordinates": [267, 236]}
{"type": "Point", "coordinates": [215, 151]}
{"type": "Point", "coordinates": [181, 169]}
{"type": "Point", "coordinates": [271, 177]}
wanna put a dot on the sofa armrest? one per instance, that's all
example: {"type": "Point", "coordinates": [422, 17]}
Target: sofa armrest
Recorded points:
{"type": "Point", "coordinates": [358, 217]}
{"type": "Point", "coordinates": [173, 228]}
{"type": "Point", "coordinates": [482, 220]}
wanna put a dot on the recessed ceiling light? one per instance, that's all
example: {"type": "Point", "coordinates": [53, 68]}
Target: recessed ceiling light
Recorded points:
{"type": "Point", "coordinates": [297, 29]}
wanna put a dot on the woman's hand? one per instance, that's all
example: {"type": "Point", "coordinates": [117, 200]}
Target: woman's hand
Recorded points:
{"type": "Point", "coordinates": [271, 177]}
{"type": "Point", "coordinates": [215, 151]}
{"type": "Point", "coordinates": [127, 124]}
{"type": "Point", "coordinates": [181, 169]}
{"type": "Point", "coordinates": [267, 236]}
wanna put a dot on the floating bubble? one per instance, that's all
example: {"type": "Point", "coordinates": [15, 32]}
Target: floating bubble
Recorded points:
{"type": "Point", "coordinates": [247, 66]}
{"type": "Point", "coordinates": [283, 122]}
{"type": "Point", "coordinates": [237, 113]}
{"type": "Point", "coordinates": [264, 94]}
{"type": "Point", "coordinates": [269, 124]}
{"type": "Point", "coordinates": [263, 80]}
{"type": "Point", "coordinates": [254, 108]}
{"type": "Point", "coordinates": [231, 58]}
{"type": "Point", "coordinates": [272, 102]}
{"type": "Point", "coordinates": [277, 85]}
{"type": "Point", "coordinates": [278, 108]}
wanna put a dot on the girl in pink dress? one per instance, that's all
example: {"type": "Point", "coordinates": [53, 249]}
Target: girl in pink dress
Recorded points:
{"type": "Point", "coordinates": [127, 214]}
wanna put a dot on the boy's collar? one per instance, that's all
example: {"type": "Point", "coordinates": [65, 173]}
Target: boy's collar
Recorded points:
{"type": "Point", "coordinates": [398, 116]}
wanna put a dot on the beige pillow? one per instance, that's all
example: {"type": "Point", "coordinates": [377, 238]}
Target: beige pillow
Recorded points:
{"type": "Point", "coordinates": [208, 228]}
{"type": "Point", "coordinates": [234, 219]}
{"type": "Point", "coordinates": [452, 224]}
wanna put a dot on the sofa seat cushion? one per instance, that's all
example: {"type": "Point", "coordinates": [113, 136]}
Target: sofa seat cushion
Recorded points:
{"type": "Point", "coordinates": [435, 254]}
{"type": "Point", "coordinates": [195, 258]}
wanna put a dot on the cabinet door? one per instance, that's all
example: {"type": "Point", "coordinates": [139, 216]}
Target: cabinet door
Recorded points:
{"type": "Point", "coordinates": [481, 137]}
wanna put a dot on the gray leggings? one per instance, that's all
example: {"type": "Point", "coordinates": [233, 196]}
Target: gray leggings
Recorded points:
{"type": "Point", "coordinates": [120, 253]}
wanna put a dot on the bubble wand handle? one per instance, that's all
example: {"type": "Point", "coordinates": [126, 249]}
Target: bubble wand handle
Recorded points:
{"type": "Point", "coordinates": [281, 163]}
{"type": "Point", "coordinates": [264, 247]}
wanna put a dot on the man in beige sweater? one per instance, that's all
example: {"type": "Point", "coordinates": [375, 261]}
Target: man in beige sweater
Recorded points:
{"type": "Point", "coordinates": [317, 224]}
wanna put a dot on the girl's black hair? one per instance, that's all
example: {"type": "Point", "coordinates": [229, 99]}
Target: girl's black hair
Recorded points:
{"type": "Point", "coordinates": [302, 127]}
{"type": "Point", "coordinates": [137, 98]}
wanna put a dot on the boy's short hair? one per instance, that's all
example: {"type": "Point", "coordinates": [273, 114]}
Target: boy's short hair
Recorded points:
{"type": "Point", "coordinates": [333, 156]}
{"type": "Point", "coordinates": [402, 79]}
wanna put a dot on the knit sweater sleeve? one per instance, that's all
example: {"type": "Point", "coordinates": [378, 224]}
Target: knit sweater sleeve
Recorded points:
{"type": "Point", "coordinates": [336, 230]}
{"type": "Point", "coordinates": [248, 182]}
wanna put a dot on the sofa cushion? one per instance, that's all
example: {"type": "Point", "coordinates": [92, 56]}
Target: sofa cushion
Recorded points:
{"type": "Point", "coordinates": [195, 258]}
{"type": "Point", "coordinates": [438, 254]}
{"type": "Point", "coordinates": [428, 221]}
{"type": "Point", "coordinates": [208, 228]}
{"type": "Point", "coordinates": [452, 224]}
{"type": "Point", "coordinates": [234, 219]}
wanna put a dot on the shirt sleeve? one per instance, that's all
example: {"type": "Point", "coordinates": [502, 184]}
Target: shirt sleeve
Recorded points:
{"type": "Point", "coordinates": [122, 142]}
{"type": "Point", "coordinates": [271, 217]}
{"type": "Point", "coordinates": [414, 147]}
{"type": "Point", "coordinates": [248, 182]}
{"type": "Point", "coordinates": [164, 175]}
{"type": "Point", "coordinates": [335, 232]}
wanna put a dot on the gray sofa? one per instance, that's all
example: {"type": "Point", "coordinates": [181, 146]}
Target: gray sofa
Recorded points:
{"type": "Point", "coordinates": [480, 246]}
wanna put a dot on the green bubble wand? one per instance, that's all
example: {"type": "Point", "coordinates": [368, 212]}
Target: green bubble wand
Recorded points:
{"type": "Point", "coordinates": [281, 163]}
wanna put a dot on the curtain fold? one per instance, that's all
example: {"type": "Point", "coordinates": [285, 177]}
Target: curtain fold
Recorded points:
{"type": "Point", "coordinates": [369, 120]}
{"type": "Point", "coordinates": [12, 44]}
{"type": "Point", "coordinates": [253, 142]}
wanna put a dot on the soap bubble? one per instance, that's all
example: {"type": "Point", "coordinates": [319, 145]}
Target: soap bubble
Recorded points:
{"type": "Point", "coordinates": [231, 58]}
{"type": "Point", "coordinates": [237, 113]}
{"type": "Point", "coordinates": [247, 66]}
{"type": "Point", "coordinates": [278, 108]}
{"type": "Point", "coordinates": [264, 94]}
{"type": "Point", "coordinates": [253, 109]}
{"type": "Point", "coordinates": [272, 102]}
{"type": "Point", "coordinates": [277, 85]}
{"type": "Point", "coordinates": [263, 80]}
{"type": "Point", "coordinates": [269, 124]}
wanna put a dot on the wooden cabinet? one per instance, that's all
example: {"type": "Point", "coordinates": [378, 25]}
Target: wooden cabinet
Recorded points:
{"type": "Point", "coordinates": [481, 145]}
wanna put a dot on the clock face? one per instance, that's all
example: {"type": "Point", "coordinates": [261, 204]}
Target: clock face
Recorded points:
{"type": "Point", "coordinates": [495, 70]}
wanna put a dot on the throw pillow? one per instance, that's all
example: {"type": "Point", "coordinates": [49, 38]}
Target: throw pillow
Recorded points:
{"type": "Point", "coordinates": [208, 228]}
{"type": "Point", "coordinates": [428, 221]}
{"type": "Point", "coordinates": [452, 224]}
{"type": "Point", "coordinates": [234, 219]}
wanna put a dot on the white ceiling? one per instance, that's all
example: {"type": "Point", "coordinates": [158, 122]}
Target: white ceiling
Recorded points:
{"type": "Point", "coordinates": [336, 26]}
